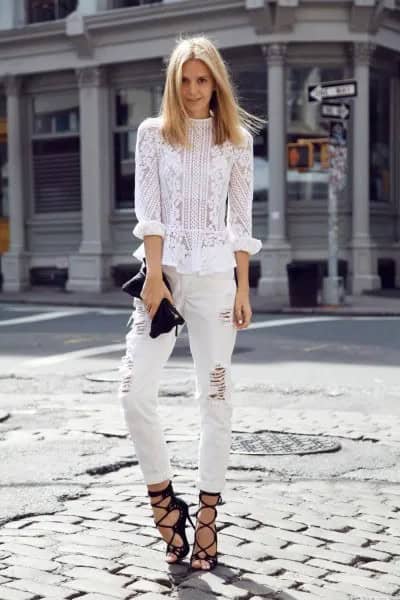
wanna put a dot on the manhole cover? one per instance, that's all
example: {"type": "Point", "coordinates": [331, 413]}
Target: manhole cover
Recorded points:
{"type": "Point", "coordinates": [282, 443]}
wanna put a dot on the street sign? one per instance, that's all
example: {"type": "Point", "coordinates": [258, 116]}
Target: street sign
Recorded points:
{"type": "Point", "coordinates": [332, 90]}
{"type": "Point", "coordinates": [335, 111]}
{"type": "Point", "coordinates": [337, 133]}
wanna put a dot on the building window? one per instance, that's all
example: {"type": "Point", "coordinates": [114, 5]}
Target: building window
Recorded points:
{"type": "Point", "coordinates": [379, 123]}
{"type": "Point", "coordinates": [132, 105]}
{"type": "Point", "coordinates": [304, 122]}
{"type": "Point", "coordinates": [128, 3]}
{"type": "Point", "coordinates": [251, 86]}
{"type": "Point", "coordinates": [56, 152]}
{"type": "Point", "coordinates": [49, 10]}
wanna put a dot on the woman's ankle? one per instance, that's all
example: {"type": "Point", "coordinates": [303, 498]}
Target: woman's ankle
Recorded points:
{"type": "Point", "coordinates": [158, 487]}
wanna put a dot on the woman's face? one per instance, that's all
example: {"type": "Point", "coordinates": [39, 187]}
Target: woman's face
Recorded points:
{"type": "Point", "coordinates": [197, 88]}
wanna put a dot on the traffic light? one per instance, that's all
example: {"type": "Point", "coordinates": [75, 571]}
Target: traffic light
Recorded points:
{"type": "Point", "coordinates": [324, 157]}
{"type": "Point", "coordinates": [300, 156]}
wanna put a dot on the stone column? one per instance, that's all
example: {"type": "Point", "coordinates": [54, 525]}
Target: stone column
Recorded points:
{"type": "Point", "coordinates": [364, 275]}
{"type": "Point", "coordinates": [15, 261]}
{"type": "Point", "coordinates": [395, 168]}
{"type": "Point", "coordinates": [89, 270]}
{"type": "Point", "coordinates": [275, 253]}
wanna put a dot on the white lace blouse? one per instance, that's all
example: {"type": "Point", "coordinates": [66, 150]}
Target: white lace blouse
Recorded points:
{"type": "Point", "coordinates": [180, 194]}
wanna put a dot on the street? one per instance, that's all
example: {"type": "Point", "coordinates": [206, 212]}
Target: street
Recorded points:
{"type": "Point", "coordinates": [301, 526]}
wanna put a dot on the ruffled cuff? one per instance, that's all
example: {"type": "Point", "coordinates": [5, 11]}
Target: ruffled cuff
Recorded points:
{"type": "Point", "coordinates": [143, 228]}
{"type": "Point", "coordinates": [246, 244]}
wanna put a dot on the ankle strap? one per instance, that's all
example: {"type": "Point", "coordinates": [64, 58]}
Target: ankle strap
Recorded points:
{"type": "Point", "coordinates": [167, 491]}
{"type": "Point", "coordinates": [217, 495]}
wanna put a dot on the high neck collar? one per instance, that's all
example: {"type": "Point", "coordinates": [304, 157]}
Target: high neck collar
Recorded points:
{"type": "Point", "coordinates": [206, 122]}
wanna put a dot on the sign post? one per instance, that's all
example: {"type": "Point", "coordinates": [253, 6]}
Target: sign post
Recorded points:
{"type": "Point", "coordinates": [337, 178]}
{"type": "Point", "coordinates": [338, 113]}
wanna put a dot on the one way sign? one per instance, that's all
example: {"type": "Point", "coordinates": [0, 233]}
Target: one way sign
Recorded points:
{"type": "Point", "coordinates": [335, 111]}
{"type": "Point", "coordinates": [332, 90]}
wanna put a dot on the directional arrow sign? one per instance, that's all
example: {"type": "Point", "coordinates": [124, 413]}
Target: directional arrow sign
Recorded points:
{"type": "Point", "coordinates": [335, 111]}
{"type": "Point", "coordinates": [332, 90]}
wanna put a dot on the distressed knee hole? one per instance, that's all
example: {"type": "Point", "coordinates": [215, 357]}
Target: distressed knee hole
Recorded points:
{"type": "Point", "coordinates": [217, 383]}
{"type": "Point", "coordinates": [225, 315]}
{"type": "Point", "coordinates": [126, 374]}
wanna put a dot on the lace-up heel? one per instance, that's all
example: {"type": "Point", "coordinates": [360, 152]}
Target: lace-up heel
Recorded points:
{"type": "Point", "coordinates": [202, 553]}
{"type": "Point", "coordinates": [179, 505]}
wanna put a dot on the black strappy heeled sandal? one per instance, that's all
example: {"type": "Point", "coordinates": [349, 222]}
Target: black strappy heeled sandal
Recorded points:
{"type": "Point", "coordinates": [212, 559]}
{"type": "Point", "coordinates": [179, 526]}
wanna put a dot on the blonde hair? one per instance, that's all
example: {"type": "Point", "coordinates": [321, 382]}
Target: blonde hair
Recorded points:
{"type": "Point", "coordinates": [229, 117]}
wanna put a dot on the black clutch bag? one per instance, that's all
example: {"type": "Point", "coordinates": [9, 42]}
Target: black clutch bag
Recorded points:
{"type": "Point", "coordinates": [167, 316]}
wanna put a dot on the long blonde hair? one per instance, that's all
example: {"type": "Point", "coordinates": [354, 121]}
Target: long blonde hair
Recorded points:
{"type": "Point", "coordinates": [228, 115]}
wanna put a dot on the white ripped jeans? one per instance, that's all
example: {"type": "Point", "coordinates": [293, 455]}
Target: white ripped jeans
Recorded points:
{"type": "Point", "coordinates": [206, 302]}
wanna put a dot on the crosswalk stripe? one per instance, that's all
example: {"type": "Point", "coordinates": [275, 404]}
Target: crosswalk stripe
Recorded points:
{"type": "Point", "coordinates": [42, 317]}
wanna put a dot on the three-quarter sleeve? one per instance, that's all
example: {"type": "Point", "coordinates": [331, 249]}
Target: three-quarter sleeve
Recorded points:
{"type": "Point", "coordinates": [240, 199]}
{"type": "Point", "coordinates": [147, 185]}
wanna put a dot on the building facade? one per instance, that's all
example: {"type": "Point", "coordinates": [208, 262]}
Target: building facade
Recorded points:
{"type": "Point", "coordinates": [78, 77]}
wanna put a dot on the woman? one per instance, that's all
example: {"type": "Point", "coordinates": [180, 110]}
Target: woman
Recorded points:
{"type": "Point", "coordinates": [188, 160]}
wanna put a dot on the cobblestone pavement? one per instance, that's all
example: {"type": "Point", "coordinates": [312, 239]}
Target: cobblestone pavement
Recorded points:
{"type": "Point", "coordinates": [288, 540]}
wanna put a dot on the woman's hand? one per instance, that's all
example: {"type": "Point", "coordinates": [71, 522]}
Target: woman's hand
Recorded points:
{"type": "Point", "coordinates": [153, 291]}
{"type": "Point", "coordinates": [242, 312]}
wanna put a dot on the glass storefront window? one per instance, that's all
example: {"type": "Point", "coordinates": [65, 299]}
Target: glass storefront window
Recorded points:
{"type": "Point", "coordinates": [251, 85]}
{"type": "Point", "coordinates": [132, 106]}
{"type": "Point", "coordinates": [56, 113]}
{"type": "Point", "coordinates": [56, 152]}
{"type": "Point", "coordinates": [304, 122]}
{"type": "Point", "coordinates": [49, 10]}
{"type": "Point", "coordinates": [379, 123]}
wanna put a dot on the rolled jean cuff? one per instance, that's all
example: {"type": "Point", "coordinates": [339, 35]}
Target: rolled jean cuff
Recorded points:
{"type": "Point", "coordinates": [155, 478]}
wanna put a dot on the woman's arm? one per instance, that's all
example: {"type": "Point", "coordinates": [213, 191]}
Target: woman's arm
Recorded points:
{"type": "Point", "coordinates": [148, 213]}
{"type": "Point", "coordinates": [239, 223]}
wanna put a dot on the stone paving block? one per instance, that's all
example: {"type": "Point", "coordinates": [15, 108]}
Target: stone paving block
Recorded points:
{"type": "Point", "coordinates": [335, 567]}
{"type": "Point", "coordinates": [392, 579]}
{"type": "Point", "coordinates": [99, 587]}
{"type": "Point", "coordinates": [356, 551]}
{"type": "Point", "coordinates": [72, 548]}
{"type": "Point", "coordinates": [288, 524]}
{"type": "Point", "coordinates": [257, 535]}
{"type": "Point", "coordinates": [296, 595]}
{"type": "Point", "coordinates": [97, 597]}
{"type": "Point", "coordinates": [239, 522]}
{"type": "Point", "coordinates": [37, 542]}
{"type": "Point", "coordinates": [326, 552]}
{"type": "Point", "coordinates": [325, 592]}
{"type": "Point", "coordinates": [26, 561]}
{"type": "Point", "coordinates": [252, 587]}
{"type": "Point", "coordinates": [264, 568]}
{"type": "Point", "coordinates": [358, 593]}
{"type": "Point", "coordinates": [250, 550]}
{"type": "Point", "coordinates": [291, 536]}
{"type": "Point", "coordinates": [10, 594]}
{"type": "Point", "coordinates": [212, 583]}
{"type": "Point", "coordinates": [97, 574]}
{"type": "Point", "coordinates": [383, 567]}
{"type": "Point", "coordinates": [79, 560]}
{"type": "Point", "coordinates": [41, 589]}
{"type": "Point", "coordinates": [25, 550]}
{"type": "Point", "coordinates": [158, 564]}
{"type": "Point", "coordinates": [54, 526]}
{"type": "Point", "coordinates": [98, 515]}
{"type": "Point", "coordinates": [125, 537]}
{"type": "Point", "coordinates": [335, 536]}
{"type": "Point", "coordinates": [109, 526]}
{"type": "Point", "coordinates": [364, 582]}
{"type": "Point", "coordinates": [151, 574]}
{"type": "Point", "coordinates": [225, 542]}
{"type": "Point", "coordinates": [143, 585]}
{"type": "Point", "coordinates": [86, 539]}
{"type": "Point", "coordinates": [388, 548]}
{"type": "Point", "coordinates": [295, 567]}
{"type": "Point", "coordinates": [19, 572]}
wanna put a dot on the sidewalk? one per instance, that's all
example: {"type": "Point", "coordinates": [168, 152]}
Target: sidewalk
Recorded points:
{"type": "Point", "coordinates": [379, 303]}
{"type": "Point", "coordinates": [301, 539]}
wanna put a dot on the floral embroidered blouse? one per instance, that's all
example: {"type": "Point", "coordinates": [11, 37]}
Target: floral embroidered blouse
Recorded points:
{"type": "Point", "coordinates": [181, 192]}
